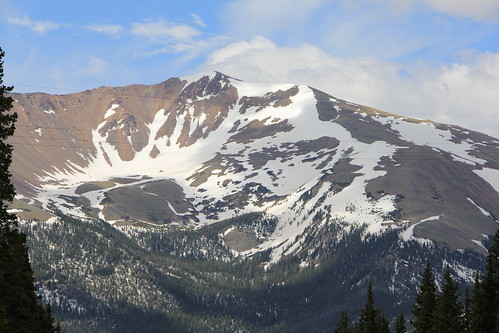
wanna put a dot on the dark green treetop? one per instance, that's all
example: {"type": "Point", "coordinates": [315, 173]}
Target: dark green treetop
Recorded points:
{"type": "Point", "coordinates": [424, 308]}
{"type": "Point", "coordinates": [20, 310]}
{"type": "Point", "coordinates": [484, 308]}
{"type": "Point", "coordinates": [343, 323]}
{"type": "Point", "coordinates": [371, 320]}
{"type": "Point", "coordinates": [448, 311]}
{"type": "Point", "coordinates": [400, 324]}
{"type": "Point", "coordinates": [7, 127]}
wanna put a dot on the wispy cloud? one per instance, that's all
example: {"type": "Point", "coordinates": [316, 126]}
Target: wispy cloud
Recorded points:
{"type": "Point", "coordinates": [169, 38]}
{"type": "Point", "coordinates": [94, 66]}
{"type": "Point", "coordinates": [165, 30]}
{"type": "Point", "coordinates": [38, 26]}
{"type": "Point", "coordinates": [198, 20]}
{"type": "Point", "coordinates": [478, 10]}
{"type": "Point", "coordinates": [91, 67]}
{"type": "Point", "coordinates": [105, 28]}
{"type": "Point", "coordinates": [263, 17]}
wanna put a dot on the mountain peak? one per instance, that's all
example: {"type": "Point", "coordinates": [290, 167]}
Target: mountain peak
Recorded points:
{"type": "Point", "coordinates": [199, 149]}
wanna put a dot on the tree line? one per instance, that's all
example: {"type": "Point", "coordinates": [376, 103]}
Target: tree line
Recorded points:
{"type": "Point", "coordinates": [439, 310]}
{"type": "Point", "coordinates": [20, 309]}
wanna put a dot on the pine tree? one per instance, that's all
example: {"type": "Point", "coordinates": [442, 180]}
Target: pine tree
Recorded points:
{"type": "Point", "coordinates": [20, 310]}
{"type": "Point", "coordinates": [490, 286]}
{"type": "Point", "coordinates": [448, 310]}
{"type": "Point", "coordinates": [467, 306]}
{"type": "Point", "coordinates": [343, 324]}
{"type": "Point", "coordinates": [371, 320]}
{"type": "Point", "coordinates": [382, 323]}
{"type": "Point", "coordinates": [7, 127]}
{"type": "Point", "coordinates": [424, 308]}
{"type": "Point", "coordinates": [400, 324]}
{"type": "Point", "coordinates": [484, 315]}
{"type": "Point", "coordinates": [476, 307]}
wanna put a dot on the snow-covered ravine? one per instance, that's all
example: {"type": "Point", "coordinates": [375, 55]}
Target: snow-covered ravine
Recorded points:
{"type": "Point", "coordinates": [280, 152]}
{"type": "Point", "coordinates": [177, 164]}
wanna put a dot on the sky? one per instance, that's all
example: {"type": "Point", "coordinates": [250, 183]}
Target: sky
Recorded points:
{"type": "Point", "coordinates": [429, 59]}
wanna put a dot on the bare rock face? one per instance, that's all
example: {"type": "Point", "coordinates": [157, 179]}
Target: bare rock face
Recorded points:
{"type": "Point", "coordinates": [198, 150]}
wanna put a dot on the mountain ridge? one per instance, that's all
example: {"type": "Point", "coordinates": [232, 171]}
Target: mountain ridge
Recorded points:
{"type": "Point", "coordinates": [205, 148]}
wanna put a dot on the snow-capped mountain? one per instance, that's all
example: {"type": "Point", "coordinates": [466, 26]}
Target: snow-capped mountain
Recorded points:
{"type": "Point", "coordinates": [197, 150]}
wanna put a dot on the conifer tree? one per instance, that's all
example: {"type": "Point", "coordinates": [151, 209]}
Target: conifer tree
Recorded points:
{"type": "Point", "coordinates": [484, 315]}
{"type": "Point", "coordinates": [467, 306]}
{"type": "Point", "coordinates": [7, 127]}
{"type": "Point", "coordinates": [19, 307]}
{"type": "Point", "coordinates": [448, 310]}
{"type": "Point", "coordinates": [382, 323]}
{"type": "Point", "coordinates": [424, 308]}
{"type": "Point", "coordinates": [490, 286]}
{"type": "Point", "coordinates": [400, 324]}
{"type": "Point", "coordinates": [343, 324]}
{"type": "Point", "coordinates": [370, 319]}
{"type": "Point", "coordinates": [476, 307]}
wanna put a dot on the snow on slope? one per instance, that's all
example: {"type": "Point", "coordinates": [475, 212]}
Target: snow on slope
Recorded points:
{"type": "Point", "coordinates": [490, 175]}
{"type": "Point", "coordinates": [286, 171]}
{"type": "Point", "coordinates": [426, 134]}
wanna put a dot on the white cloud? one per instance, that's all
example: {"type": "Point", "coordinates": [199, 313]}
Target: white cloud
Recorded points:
{"type": "Point", "coordinates": [39, 26]}
{"type": "Point", "coordinates": [105, 28]}
{"type": "Point", "coordinates": [460, 94]}
{"type": "Point", "coordinates": [478, 10]}
{"type": "Point", "coordinates": [198, 20]}
{"type": "Point", "coordinates": [261, 17]}
{"type": "Point", "coordinates": [94, 66]}
{"type": "Point", "coordinates": [465, 94]}
{"type": "Point", "coordinates": [169, 38]}
{"type": "Point", "coordinates": [165, 30]}
{"type": "Point", "coordinates": [241, 47]}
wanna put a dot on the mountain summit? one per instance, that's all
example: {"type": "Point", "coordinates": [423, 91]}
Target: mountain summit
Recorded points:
{"type": "Point", "coordinates": [196, 150]}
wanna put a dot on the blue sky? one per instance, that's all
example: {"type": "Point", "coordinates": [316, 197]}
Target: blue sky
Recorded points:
{"type": "Point", "coordinates": [432, 59]}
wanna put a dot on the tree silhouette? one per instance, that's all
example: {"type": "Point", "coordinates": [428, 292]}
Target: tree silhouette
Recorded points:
{"type": "Point", "coordinates": [343, 323]}
{"type": "Point", "coordinates": [20, 310]}
{"type": "Point", "coordinates": [371, 320]}
{"type": "Point", "coordinates": [400, 324]}
{"type": "Point", "coordinates": [424, 308]}
{"type": "Point", "coordinates": [448, 310]}
{"type": "Point", "coordinates": [484, 316]}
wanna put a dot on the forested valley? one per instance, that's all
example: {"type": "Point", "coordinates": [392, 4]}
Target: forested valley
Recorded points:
{"type": "Point", "coordinates": [99, 278]}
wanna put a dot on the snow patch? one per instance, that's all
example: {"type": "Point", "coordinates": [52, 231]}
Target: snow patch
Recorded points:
{"type": "Point", "coordinates": [484, 212]}
{"type": "Point", "coordinates": [479, 243]}
{"type": "Point", "coordinates": [14, 211]}
{"type": "Point", "coordinates": [111, 111]}
{"type": "Point", "coordinates": [427, 134]}
{"type": "Point", "coordinates": [491, 176]}
{"type": "Point", "coordinates": [408, 233]}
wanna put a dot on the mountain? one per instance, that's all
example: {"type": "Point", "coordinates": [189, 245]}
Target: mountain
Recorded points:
{"type": "Point", "coordinates": [208, 202]}
{"type": "Point", "coordinates": [197, 150]}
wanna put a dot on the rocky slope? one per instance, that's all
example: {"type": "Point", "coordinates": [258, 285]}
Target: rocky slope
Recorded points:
{"type": "Point", "coordinates": [192, 151]}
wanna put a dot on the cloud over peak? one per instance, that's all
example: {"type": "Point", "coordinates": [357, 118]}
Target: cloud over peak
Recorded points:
{"type": "Point", "coordinates": [461, 93]}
